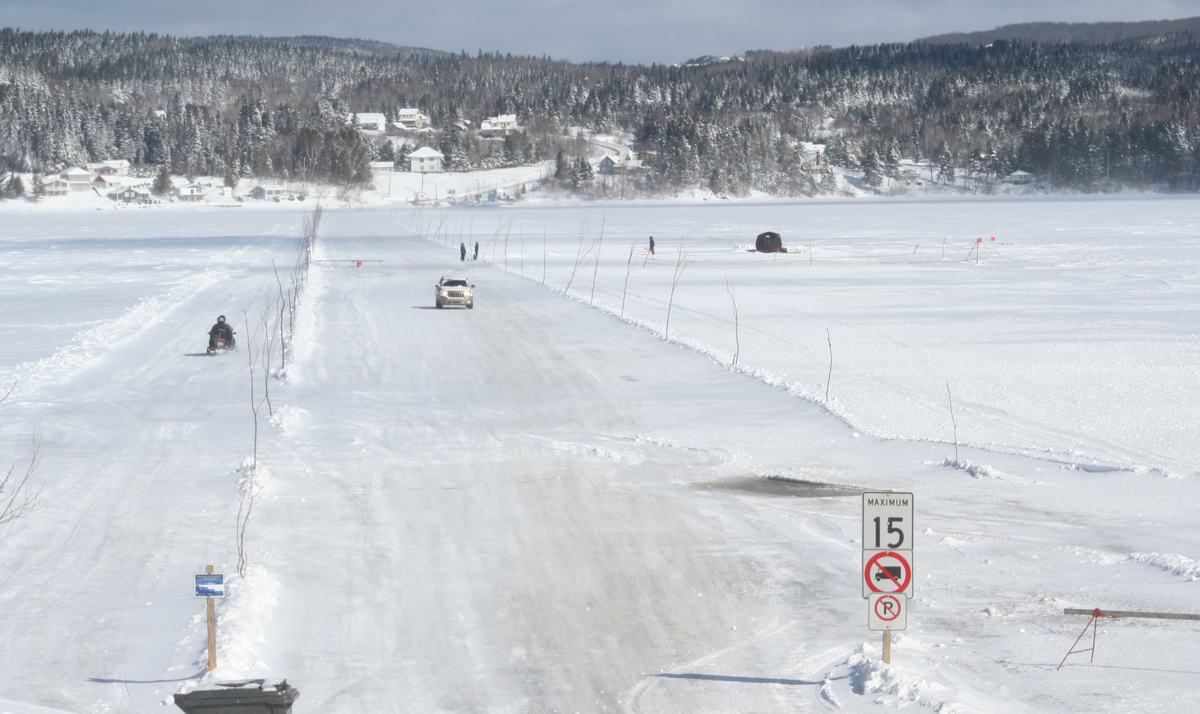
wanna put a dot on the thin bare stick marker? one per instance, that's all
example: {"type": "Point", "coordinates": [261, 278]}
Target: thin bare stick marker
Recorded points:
{"type": "Point", "coordinates": [829, 376]}
{"type": "Point", "coordinates": [953, 421]}
{"type": "Point", "coordinates": [628, 267]}
{"type": "Point", "coordinates": [737, 340]}
{"type": "Point", "coordinates": [15, 501]}
{"type": "Point", "coordinates": [507, 230]}
{"type": "Point", "coordinates": [596, 265]}
{"type": "Point", "coordinates": [680, 266]}
{"type": "Point", "coordinates": [282, 304]}
{"type": "Point", "coordinates": [579, 253]}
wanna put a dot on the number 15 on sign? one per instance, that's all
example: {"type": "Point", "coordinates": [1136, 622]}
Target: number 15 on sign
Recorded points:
{"type": "Point", "coordinates": [887, 521]}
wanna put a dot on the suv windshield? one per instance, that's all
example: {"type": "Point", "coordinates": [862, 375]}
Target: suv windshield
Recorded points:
{"type": "Point", "coordinates": [454, 283]}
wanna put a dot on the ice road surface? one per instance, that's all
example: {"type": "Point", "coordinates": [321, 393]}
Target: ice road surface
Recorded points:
{"type": "Point", "coordinates": [556, 503]}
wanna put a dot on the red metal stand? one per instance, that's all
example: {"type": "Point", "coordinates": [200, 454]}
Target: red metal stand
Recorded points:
{"type": "Point", "coordinates": [1092, 623]}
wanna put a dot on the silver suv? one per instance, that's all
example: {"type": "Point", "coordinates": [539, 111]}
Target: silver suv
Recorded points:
{"type": "Point", "coordinates": [454, 291]}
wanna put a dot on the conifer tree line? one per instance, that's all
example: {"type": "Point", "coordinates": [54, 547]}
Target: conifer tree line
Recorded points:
{"type": "Point", "coordinates": [1084, 116]}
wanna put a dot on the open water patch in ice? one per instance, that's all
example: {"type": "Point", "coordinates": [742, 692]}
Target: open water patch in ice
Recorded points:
{"type": "Point", "coordinates": [781, 486]}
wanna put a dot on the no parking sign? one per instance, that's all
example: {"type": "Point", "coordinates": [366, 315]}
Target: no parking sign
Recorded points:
{"type": "Point", "coordinates": [887, 612]}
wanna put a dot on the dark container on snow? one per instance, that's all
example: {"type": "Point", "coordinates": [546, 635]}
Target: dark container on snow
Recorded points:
{"type": "Point", "coordinates": [769, 242]}
{"type": "Point", "coordinates": [249, 697]}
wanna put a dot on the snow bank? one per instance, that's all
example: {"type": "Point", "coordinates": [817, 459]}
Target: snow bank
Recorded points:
{"type": "Point", "coordinates": [291, 420]}
{"type": "Point", "coordinates": [1180, 565]}
{"type": "Point", "coordinates": [890, 686]}
{"type": "Point", "coordinates": [307, 332]}
{"type": "Point", "coordinates": [245, 616]}
{"type": "Point", "coordinates": [971, 468]}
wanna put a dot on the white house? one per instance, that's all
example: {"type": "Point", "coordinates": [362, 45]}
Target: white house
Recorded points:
{"type": "Point", "coordinates": [106, 184]}
{"type": "Point", "coordinates": [411, 118]}
{"type": "Point", "coordinates": [368, 122]}
{"type": "Point", "coordinates": [78, 179]}
{"type": "Point", "coordinates": [382, 167]}
{"type": "Point", "coordinates": [499, 125]}
{"type": "Point", "coordinates": [425, 160]}
{"type": "Point", "coordinates": [132, 195]}
{"type": "Point", "coordinates": [119, 166]}
{"type": "Point", "coordinates": [191, 192]}
{"type": "Point", "coordinates": [55, 186]}
{"type": "Point", "coordinates": [110, 167]}
{"type": "Point", "coordinates": [262, 192]}
{"type": "Point", "coordinates": [1018, 177]}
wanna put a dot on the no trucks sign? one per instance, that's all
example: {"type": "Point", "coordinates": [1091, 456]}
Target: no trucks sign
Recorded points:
{"type": "Point", "coordinates": [887, 571]}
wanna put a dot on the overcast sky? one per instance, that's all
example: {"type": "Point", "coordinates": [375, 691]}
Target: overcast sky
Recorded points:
{"type": "Point", "coordinates": [631, 31]}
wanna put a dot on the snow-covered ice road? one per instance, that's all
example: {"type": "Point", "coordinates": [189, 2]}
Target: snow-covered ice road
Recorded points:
{"type": "Point", "coordinates": [487, 510]}
{"type": "Point", "coordinates": [531, 506]}
{"type": "Point", "coordinates": [506, 506]}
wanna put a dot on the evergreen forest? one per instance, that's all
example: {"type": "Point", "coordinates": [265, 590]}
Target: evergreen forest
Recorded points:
{"type": "Point", "coordinates": [1081, 116]}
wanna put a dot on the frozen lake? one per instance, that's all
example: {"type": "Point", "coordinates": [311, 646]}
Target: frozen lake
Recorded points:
{"type": "Point", "coordinates": [1072, 336]}
{"type": "Point", "coordinates": [553, 502]}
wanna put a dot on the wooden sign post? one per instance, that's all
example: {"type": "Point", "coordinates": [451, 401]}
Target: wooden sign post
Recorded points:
{"type": "Point", "coordinates": [212, 628]}
{"type": "Point", "coordinates": [211, 585]}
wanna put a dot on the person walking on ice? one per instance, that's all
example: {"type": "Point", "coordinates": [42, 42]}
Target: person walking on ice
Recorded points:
{"type": "Point", "coordinates": [475, 255]}
{"type": "Point", "coordinates": [462, 252]}
{"type": "Point", "coordinates": [651, 245]}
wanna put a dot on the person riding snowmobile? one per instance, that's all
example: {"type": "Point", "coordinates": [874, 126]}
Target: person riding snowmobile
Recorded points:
{"type": "Point", "coordinates": [220, 330]}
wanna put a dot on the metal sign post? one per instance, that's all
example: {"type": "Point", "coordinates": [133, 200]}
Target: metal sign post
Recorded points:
{"type": "Point", "coordinates": [887, 572]}
{"type": "Point", "coordinates": [210, 585]}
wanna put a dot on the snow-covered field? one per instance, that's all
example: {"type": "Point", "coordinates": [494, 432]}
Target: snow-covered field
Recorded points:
{"type": "Point", "coordinates": [550, 503]}
{"type": "Point", "coordinates": [407, 186]}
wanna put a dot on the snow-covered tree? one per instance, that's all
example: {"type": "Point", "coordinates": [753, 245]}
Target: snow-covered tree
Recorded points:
{"type": "Point", "coordinates": [872, 173]}
{"type": "Point", "coordinates": [162, 183]}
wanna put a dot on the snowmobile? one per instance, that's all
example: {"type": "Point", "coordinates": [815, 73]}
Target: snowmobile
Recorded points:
{"type": "Point", "coordinates": [218, 345]}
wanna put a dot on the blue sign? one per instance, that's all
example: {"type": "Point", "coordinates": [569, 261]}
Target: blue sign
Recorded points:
{"type": "Point", "coordinates": [210, 585]}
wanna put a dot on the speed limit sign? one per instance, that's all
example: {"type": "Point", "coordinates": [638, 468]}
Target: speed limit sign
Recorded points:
{"type": "Point", "coordinates": [887, 521]}
{"type": "Point", "coordinates": [887, 543]}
